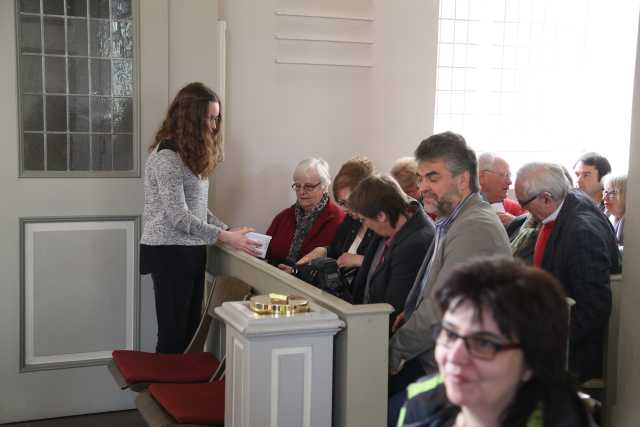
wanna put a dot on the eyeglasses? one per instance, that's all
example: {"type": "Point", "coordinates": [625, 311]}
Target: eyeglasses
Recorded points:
{"type": "Point", "coordinates": [529, 200]}
{"type": "Point", "coordinates": [478, 346]}
{"type": "Point", "coordinates": [611, 195]}
{"type": "Point", "coordinates": [215, 119]}
{"type": "Point", "coordinates": [506, 175]}
{"type": "Point", "coordinates": [306, 188]}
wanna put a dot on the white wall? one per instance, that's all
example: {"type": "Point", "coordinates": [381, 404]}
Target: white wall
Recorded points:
{"type": "Point", "coordinates": [627, 412]}
{"type": "Point", "coordinates": [188, 52]}
{"type": "Point", "coordinates": [279, 114]}
{"type": "Point", "coordinates": [193, 43]}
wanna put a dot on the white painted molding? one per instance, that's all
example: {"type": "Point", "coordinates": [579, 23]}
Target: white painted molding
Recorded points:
{"type": "Point", "coordinates": [317, 321]}
{"type": "Point", "coordinates": [238, 395]}
{"type": "Point", "coordinates": [276, 354]}
{"type": "Point", "coordinates": [323, 16]}
{"type": "Point", "coordinates": [30, 230]}
{"type": "Point", "coordinates": [323, 40]}
{"type": "Point", "coordinates": [325, 64]}
{"type": "Point", "coordinates": [222, 66]}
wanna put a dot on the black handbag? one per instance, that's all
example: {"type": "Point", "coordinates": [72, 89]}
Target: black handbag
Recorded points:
{"type": "Point", "coordinates": [324, 273]}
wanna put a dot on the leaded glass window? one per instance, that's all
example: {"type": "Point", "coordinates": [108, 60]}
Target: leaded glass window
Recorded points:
{"type": "Point", "coordinates": [77, 73]}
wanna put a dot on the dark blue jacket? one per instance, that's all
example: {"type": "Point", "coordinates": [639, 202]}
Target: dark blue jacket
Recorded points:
{"type": "Point", "coordinates": [582, 253]}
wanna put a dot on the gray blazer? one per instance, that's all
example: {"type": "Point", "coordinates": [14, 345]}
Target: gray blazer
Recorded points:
{"type": "Point", "coordinates": [476, 231]}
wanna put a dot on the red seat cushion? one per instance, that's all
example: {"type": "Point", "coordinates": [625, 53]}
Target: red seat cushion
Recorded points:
{"type": "Point", "coordinates": [142, 367]}
{"type": "Point", "coordinates": [201, 403]}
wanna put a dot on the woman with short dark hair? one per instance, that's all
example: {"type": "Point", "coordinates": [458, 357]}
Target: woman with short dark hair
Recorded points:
{"type": "Point", "coordinates": [395, 255]}
{"type": "Point", "coordinates": [500, 351]}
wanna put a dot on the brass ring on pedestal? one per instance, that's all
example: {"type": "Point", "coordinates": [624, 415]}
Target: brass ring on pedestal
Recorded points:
{"type": "Point", "coordinates": [277, 304]}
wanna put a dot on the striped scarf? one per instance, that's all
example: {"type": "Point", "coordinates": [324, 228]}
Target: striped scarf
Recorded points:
{"type": "Point", "coordinates": [303, 225]}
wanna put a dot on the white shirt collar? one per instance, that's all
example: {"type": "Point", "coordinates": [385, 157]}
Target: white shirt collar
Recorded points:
{"type": "Point", "coordinates": [554, 215]}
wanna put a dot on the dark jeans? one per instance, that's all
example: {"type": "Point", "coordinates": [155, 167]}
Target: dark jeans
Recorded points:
{"type": "Point", "coordinates": [178, 309]}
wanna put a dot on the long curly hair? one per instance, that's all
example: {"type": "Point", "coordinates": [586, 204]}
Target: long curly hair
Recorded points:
{"type": "Point", "coordinates": [186, 123]}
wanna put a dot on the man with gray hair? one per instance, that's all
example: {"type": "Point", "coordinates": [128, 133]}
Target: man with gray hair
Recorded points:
{"type": "Point", "coordinates": [577, 245]}
{"type": "Point", "coordinates": [494, 177]}
{"type": "Point", "coordinates": [466, 227]}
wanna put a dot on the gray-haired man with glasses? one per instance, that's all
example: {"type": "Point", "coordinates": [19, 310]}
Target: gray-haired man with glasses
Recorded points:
{"type": "Point", "coordinates": [577, 245]}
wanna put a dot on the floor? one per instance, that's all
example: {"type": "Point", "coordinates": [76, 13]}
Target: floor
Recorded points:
{"type": "Point", "coordinates": [108, 419]}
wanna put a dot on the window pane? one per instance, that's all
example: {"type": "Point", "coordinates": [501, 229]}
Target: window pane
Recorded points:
{"type": "Point", "coordinates": [100, 114]}
{"type": "Point", "coordinates": [30, 34]}
{"type": "Point", "coordinates": [54, 74]}
{"type": "Point", "coordinates": [32, 112]}
{"type": "Point", "coordinates": [77, 7]}
{"type": "Point", "coordinates": [123, 77]}
{"type": "Point", "coordinates": [54, 36]}
{"type": "Point", "coordinates": [77, 37]}
{"type": "Point", "coordinates": [101, 77]}
{"type": "Point", "coordinates": [78, 75]}
{"type": "Point", "coordinates": [53, 7]}
{"type": "Point", "coordinates": [99, 36]}
{"type": "Point", "coordinates": [79, 152]}
{"type": "Point", "coordinates": [101, 152]}
{"type": "Point", "coordinates": [79, 113]}
{"type": "Point", "coordinates": [56, 113]}
{"type": "Point", "coordinates": [56, 151]}
{"type": "Point", "coordinates": [31, 73]}
{"type": "Point", "coordinates": [122, 115]}
{"type": "Point", "coordinates": [120, 9]}
{"type": "Point", "coordinates": [99, 8]}
{"type": "Point", "coordinates": [122, 36]}
{"type": "Point", "coordinates": [33, 146]}
{"type": "Point", "coordinates": [122, 152]}
{"type": "Point", "coordinates": [76, 84]}
{"type": "Point", "coordinates": [30, 6]}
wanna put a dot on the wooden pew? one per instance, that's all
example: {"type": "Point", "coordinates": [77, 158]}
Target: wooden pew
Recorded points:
{"type": "Point", "coordinates": [360, 350]}
{"type": "Point", "coordinates": [611, 353]}
{"type": "Point", "coordinates": [605, 389]}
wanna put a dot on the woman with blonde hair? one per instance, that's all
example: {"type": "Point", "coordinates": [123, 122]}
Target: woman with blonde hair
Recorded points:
{"type": "Point", "coordinates": [615, 203]}
{"type": "Point", "coordinates": [177, 226]}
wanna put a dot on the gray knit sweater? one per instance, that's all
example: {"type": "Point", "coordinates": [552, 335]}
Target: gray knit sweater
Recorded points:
{"type": "Point", "coordinates": [175, 204]}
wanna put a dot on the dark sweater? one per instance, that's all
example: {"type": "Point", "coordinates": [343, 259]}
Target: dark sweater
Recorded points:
{"type": "Point", "coordinates": [392, 280]}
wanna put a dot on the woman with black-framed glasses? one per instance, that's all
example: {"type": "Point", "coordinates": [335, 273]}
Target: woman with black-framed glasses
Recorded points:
{"type": "Point", "coordinates": [500, 351]}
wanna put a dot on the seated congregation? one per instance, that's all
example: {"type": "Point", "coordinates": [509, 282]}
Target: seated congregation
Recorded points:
{"type": "Point", "coordinates": [413, 238]}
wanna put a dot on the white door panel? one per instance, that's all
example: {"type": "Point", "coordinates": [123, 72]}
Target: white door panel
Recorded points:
{"type": "Point", "coordinates": [74, 302]}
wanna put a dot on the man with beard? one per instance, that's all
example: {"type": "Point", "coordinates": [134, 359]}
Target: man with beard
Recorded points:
{"type": "Point", "coordinates": [466, 227]}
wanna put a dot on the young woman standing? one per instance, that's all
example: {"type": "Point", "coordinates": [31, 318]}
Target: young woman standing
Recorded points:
{"type": "Point", "coordinates": [177, 226]}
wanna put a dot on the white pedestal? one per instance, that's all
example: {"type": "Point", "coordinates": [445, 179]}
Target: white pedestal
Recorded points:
{"type": "Point", "coordinates": [279, 369]}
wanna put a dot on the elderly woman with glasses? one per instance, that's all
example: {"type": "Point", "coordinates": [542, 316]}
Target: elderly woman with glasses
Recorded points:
{"type": "Point", "coordinates": [353, 237]}
{"type": "Point", "coordinates": [615, 191]}
{"type": "Point", "coordinates": [313, 219]}
{"type": "Point", "coordinates": [500, 351]}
